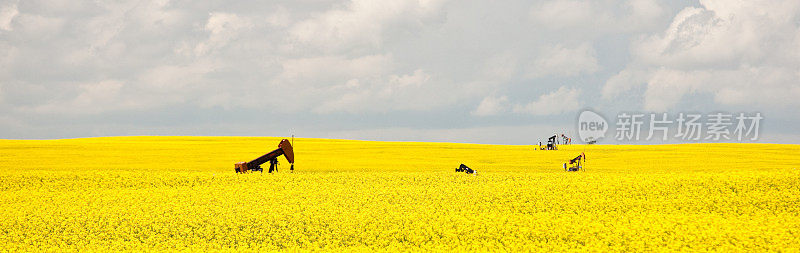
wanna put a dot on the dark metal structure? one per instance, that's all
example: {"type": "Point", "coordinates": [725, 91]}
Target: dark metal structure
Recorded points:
{"type": "Point", "coordinates": [575, 163]}
{"type": "Point", "coordinates": [552, 143]}
{"type": "Point", "coordinates": [284, 149]}
{"type": "Point", "coordinates": [465, 169]}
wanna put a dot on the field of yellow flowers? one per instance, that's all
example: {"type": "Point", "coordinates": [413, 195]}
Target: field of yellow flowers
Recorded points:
{"type": "Point", "coordinates": [181, 193]}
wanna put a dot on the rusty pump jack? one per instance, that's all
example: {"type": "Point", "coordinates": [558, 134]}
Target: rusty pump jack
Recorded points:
{"type": "Point", "coordinates": [284, 148]}
{"type": "Point", "coordinates": [575, 163]}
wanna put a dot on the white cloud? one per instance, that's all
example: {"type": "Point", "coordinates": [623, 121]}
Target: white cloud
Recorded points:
{"type": "Point", "coordinates": [360, 23]}
{"type": "Point", "coordinates": [501, 67]}
{"type": "Point", "coordinates": [331, 70]}
{"type": "Point", "coordinates": [222, 28]}
{"type": "Point", "coordinates": [644, 10]}
{"type": "Point", "coordinates": [560, 101]}
{"type": "Point", "coordinates": [561, 14]}
{"type": "Point", "coordinates": [741, 53]}
{"type": "Point", "coordinates": [7, 13]}
{"type": "Point", "coordinates": [763, 87]}
{"type": "Point", "coordinates": [158, 87]}
{"type": "Point", "coordinates": [516, 134]}
{"type": "Point", "coordinates": [8, 54]}
{"type": "Point", "coordinates": [561, 61]}
{"type": "Point", "coordinates": [409, 59]}
{"type": "Point", "coordinates": [491, 105]}
{"type": "Point", "coordinates": [280, 17]}
{"type": "Point", "coordinates": [382, 94]}
{"type": "Point", "coordinates": [92, 98]}
{"type": "Point", "coordinates": [175, 79]}
{"type": "Point", "coordinates": [666, 87]}
{"type": "Point", "coordinates": [625, 80]}
{"type": "Point", "coordinates": [597, 17]}
{"type": "Point", "coordinates": [37, 25]}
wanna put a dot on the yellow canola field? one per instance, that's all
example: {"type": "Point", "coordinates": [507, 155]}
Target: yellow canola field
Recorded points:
{"type": "Point", "coordinates": [180, 193]}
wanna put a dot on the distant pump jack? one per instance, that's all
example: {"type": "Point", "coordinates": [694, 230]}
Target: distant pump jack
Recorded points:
{"type": "Point", "coordinates": [575, 163]}
{"type": "Point", "coordinates": [465, 169]}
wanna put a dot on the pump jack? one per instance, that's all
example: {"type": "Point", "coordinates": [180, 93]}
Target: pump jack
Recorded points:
{"type": "Point", "coordinates": [576, 163]}
{"type": "Point", "coordinates": [284, 148]}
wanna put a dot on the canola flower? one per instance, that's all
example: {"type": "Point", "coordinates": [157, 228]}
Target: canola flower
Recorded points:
{"type": "Point", "coordinates": [180, 193]}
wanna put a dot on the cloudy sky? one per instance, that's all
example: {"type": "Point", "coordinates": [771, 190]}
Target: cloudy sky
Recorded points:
{"type": "Point", "coordinates": [508, 72]}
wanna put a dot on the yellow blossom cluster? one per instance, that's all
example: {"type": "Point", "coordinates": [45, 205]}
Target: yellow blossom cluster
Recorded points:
{"type": "Point", "coordinates": [181, 193]}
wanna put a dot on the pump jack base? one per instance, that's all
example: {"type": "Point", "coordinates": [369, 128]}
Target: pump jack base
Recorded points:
{"type": "Point", "coordinates": [241, 167]}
